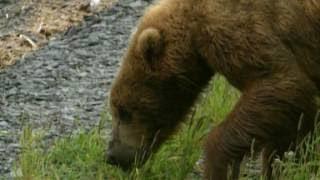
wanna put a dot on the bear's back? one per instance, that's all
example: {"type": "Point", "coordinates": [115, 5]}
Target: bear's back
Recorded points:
{"type": "Point", "coordinates": [287, 30]}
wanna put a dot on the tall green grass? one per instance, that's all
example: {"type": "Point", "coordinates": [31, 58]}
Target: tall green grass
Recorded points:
{"type": "Point", "coordinates": [81, 156]}
{"type": "Point", "coordinates": [306, 167]}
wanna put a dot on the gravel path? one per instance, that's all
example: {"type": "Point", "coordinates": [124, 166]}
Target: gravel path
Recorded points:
{"type": "Point", "coordinates": [12, 16]}
{"type": "Point", "coordinates": [66, 82]}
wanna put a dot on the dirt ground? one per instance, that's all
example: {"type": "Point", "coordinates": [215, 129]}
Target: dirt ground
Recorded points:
{"type": "Point", "coordinates": [28, 25]}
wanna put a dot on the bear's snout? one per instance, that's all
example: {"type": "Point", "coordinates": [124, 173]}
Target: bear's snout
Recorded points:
{"type": "Point", "coordinates": [120, 155]}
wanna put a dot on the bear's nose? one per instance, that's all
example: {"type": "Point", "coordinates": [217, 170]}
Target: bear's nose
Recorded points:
{"type": "Point", "coordinates": [111, 159]}
{"type": "Point", "coordinates": [122, 161]}
{"type": "Point", "coordinates": [111, 154]}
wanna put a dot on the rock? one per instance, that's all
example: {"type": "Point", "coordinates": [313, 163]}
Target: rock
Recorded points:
{"type": "Point", "coordinates": [3, 124]}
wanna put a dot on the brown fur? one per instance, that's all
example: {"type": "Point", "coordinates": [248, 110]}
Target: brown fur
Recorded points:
{"type": "Point", "coordinates": [268, 49]}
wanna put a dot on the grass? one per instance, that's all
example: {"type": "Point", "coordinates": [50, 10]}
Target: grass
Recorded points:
{"type": "Point", "coordinates": [81, 156]}
{"type": "Point", "coordinates": [306, 167]}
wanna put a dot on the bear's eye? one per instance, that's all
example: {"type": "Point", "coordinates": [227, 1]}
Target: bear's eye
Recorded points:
{"type": "Point", "coordinates": [124, 114]}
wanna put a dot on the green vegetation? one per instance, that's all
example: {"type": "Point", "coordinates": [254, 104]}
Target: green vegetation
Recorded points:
{"type": "Point", "coordinates": [81, 156]}
{"type": "Point", "coordinates": [306, 167]}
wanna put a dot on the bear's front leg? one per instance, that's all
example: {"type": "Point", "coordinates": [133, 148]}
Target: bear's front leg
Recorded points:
{"type": "Point", "coordinates": [223, 158]}
{"type": "Point", "coordinates": [224, 151]}
{"type": "Point", "coordinates": [267, 116]}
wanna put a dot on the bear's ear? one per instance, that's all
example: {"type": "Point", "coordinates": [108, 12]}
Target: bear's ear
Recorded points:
{"type": "Point", "coordinates": [150, 44]}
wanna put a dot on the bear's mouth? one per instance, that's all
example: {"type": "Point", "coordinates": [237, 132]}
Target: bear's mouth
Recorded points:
{"type": "Point", "coordinates": [126, 157]}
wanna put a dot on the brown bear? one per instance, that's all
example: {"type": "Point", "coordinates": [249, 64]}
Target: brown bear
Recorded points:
{"type": "Point", "coordinates": [268, 49]}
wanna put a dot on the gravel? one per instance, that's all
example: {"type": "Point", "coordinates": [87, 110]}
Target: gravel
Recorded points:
{"type": "Point", "coordinates": [65, 83]}
{"type": "Point", "coordinates": [12, 16]}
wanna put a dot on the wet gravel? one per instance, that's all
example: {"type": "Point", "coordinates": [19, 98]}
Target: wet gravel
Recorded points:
{"type": "Point", "coordinates": [65, 83]}
{"type": "Point", "coordinates": [12, 16]}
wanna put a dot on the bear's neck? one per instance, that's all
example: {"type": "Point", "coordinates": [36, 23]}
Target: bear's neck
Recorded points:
{"type": "Point", "coordinates": [215, 38]}
{"type": "Point", "coordinates": [217, 43]}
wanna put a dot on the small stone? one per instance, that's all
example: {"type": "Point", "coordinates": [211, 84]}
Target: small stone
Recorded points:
{"type": "Point", "coordinates": [94, 4]}
{"type": "Point", "coordinates": [3, 124]}
{"type": "Point", "coordinates": [13, 146]}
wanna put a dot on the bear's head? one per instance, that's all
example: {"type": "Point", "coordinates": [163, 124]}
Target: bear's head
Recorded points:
{"type": "Point", "coordinates": [159, 79]}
